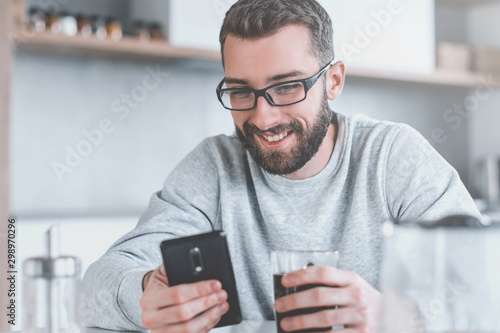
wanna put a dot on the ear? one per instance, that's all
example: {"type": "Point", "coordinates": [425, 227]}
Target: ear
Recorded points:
{"type": "Point", "coordinates": [335, 77]}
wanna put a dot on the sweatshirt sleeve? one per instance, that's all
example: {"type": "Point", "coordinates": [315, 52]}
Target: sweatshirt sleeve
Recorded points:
{"type": "Point", "coordinates": [420, 184]}
{"type": "Point", "coordinates": [187, 205]}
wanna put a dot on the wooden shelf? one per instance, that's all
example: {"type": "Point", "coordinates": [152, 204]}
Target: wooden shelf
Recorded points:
{"type": "Point", "coordinates": [439, 77]}
{"type": "Point", "coordinates": [129, 47]}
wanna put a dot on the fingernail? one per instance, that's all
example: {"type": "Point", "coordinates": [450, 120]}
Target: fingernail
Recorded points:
{"type": "Point", "coordinates": [279, 305]}
{"type": "Point", "coordinates": [216, 285]}
{"type": "Point", "coordinates": [223, 308]}
{"type": "Point", "coordinates": [286, 324]}
{"type": "Point", "coordinates": [221, 296]}
{"type": "Point", "coordinates": [289, 280]}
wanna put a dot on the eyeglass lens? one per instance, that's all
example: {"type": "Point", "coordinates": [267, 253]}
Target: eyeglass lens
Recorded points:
{"type": "Point", "coordinates": [283, 94]}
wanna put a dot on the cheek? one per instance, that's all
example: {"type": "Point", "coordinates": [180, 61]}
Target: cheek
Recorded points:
{"type": "Point", "coordinates": [312, 107]}
{"type": "Point", "coordinates": [305, 114]}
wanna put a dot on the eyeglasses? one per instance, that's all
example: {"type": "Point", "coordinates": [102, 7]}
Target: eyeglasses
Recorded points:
{"type": "Point", "coordinates": [279, 94]}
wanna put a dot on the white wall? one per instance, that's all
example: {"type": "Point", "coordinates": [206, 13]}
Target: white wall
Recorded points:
{"type": "Point", "coordinates": [57, 98]}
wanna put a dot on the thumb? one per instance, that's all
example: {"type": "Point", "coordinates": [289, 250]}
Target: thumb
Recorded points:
{"type": "Point", "coordinates": [161, 269]}
{"type": "Point", "coordinates": [162, 274]}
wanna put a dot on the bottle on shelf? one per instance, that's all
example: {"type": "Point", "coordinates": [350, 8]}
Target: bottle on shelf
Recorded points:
{"type": "Point", "coordinates": [83, 25]}
{"type": "Point", "coordinates": [156, 32]}
{"type": "Point", "coordinates": [53, 22]}
{"type": "Point", "coordinates": [68, 24]}
{"type": "Point", "coordinates": [113, 28]}
{"type": "Point", "coordinates": [37, 19]}
{"type": "Point", "coordinates": [141, 31]}
{"type": "Point", "coordinates": [98, 26]}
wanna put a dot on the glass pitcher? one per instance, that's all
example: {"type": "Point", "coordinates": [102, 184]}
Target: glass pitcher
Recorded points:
{"type": "Point", "coordinates": [441, 277]}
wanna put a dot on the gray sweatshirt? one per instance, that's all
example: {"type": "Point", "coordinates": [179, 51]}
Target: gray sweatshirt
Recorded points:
{"type": "Point", "coordinates": [379, 171]}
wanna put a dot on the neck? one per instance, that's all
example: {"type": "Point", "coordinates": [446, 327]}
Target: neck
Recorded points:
{"type": "Point", "coordinates": [320, 160]}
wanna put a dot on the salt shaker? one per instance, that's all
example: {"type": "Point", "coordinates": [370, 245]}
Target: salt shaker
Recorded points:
{"type": "Point", "coordinates": [51, 286]}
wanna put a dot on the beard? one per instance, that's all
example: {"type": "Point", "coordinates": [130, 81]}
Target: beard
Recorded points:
{"type": "Point", "coordinates": [278, 162]}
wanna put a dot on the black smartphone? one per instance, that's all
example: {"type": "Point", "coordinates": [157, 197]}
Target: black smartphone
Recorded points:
{"type": "Point", "coordinates": [203, 257]}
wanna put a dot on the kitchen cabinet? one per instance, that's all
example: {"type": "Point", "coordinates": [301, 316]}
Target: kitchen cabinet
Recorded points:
{"type": "Point", "coordinates": [394, 35]}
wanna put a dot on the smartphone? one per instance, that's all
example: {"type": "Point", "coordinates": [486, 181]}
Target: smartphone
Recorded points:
{"type": "Point", "coordinates": [203, 257]}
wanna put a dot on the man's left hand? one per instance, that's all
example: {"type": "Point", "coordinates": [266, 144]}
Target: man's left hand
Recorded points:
{"type": "Point", "coordinates": [358, 302]}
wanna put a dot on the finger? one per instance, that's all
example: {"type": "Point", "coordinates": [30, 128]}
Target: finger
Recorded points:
{"type": "Point", "coordinates": [322, 319]}
{"type": "Point", "coordinates": [202, 323]}
{"type": "Point", "coordinates": [164, 297]}
{"type": "Point", "coordinates": [182, 312]}
{"type": "Point", "coordinates": [326, 275]}
{"type": "Point", "coordinates": [314, 297]}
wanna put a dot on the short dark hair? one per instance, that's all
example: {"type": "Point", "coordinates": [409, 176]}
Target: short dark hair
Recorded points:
{"type": "Point", "coordinates": [252, 19]}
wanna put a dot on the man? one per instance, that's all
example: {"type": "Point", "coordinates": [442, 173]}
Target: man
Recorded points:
{"type": "Point", "coordinates": [296, 176]}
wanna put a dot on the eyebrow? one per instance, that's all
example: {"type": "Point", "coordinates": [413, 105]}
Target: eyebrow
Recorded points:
{"type": "Point", "coordinates": [234, 80]}
{"type": "Point", "coordinates": [270, 80]}
{"type": "Point", "coordinates": [280, 77]}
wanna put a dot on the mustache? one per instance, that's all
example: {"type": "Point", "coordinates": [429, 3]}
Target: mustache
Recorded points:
{"type": "Point", "coordinates": [294, 125]}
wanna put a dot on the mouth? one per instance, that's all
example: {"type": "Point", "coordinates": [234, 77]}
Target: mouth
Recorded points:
{"type": "Point", "coordinates": [276, 137]}
{"type": "Point", "coordinates": [276, 140]}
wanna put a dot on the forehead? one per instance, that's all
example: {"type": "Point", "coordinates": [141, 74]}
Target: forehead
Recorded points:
{"type": "Point", "coordinates": [257, 59]}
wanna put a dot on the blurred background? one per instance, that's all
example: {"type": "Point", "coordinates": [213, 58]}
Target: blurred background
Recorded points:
{"type": "Point", "coordinates": [107, 96]}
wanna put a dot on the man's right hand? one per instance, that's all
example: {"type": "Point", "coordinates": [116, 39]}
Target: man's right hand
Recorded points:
{"type": "Point", "coordinates": [195, 307]}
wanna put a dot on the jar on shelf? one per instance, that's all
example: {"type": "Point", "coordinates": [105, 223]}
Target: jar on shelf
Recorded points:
{"type": "Point", "coordinates": [53, 23]}
{"type": "Point", "coordinates": [37, 19]}
{"type": "Point", "coordinates": [141, 31]}
{"type": "Point", "coordinates": [83, 25]}
{"type": "Point", "coordinates": [98, 26]}
{"type": "Point", "coordinates": [68, 24]}
{"type": "Point", "coordinates": [156, 32]}
{"type": "Point", "coordinates": [113, 28]}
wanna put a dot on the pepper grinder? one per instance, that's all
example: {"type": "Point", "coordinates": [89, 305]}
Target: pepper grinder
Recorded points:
{"type": "Point", "coordinates": [51, 287]}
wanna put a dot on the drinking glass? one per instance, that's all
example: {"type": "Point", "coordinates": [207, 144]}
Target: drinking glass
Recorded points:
{"type": "Point", "coordinates": [288, 261]}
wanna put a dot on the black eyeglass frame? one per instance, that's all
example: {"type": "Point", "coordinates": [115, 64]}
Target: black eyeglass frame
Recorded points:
{"type": "Point", "coordinates": [308, 84]}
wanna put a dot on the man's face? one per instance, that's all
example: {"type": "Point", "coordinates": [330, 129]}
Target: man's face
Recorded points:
{"type": "Point", "coordinates": [281, 139]}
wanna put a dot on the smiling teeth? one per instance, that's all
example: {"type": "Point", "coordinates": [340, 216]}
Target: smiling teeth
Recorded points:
{"type": "Point", "coordinates": [276, 137]}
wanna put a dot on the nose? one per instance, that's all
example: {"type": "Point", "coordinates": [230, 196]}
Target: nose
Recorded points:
{"type": "Point", "coordinates": [265, 115]}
